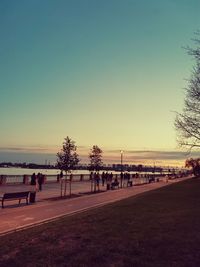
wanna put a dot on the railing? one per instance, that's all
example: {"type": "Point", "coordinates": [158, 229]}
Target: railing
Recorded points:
{"type": "Point", "coordinates": [25, 179]}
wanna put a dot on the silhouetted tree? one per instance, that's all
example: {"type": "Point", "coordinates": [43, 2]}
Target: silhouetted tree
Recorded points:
{"type": "Point", "coordinates": [95, 158]}
{"type": "Point", "coordinates": [187, 123]}
{"type": "Point", "coordinates": [67, 157]}
{"type": "Point", "coordinates": [194, 164]}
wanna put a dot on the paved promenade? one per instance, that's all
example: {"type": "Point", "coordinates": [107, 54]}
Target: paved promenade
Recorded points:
{"type": "Point", "coordinates": [15, 217]}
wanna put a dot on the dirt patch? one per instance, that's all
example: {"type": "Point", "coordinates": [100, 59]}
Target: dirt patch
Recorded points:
{"type": "Point", "coordinates": [92, 193]}
{"type": "Point", "coordinates": [64, 197]}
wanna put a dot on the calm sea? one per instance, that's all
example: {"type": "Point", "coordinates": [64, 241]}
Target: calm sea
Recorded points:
{"type": "Point", "coordinates": [22, 171]}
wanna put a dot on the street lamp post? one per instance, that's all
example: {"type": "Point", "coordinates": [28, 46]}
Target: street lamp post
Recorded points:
{"type": "Point", "coordinates": [121, 175]}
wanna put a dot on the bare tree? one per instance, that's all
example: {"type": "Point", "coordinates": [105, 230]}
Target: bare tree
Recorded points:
{"type": "Point", "coordinates": [187, 123]}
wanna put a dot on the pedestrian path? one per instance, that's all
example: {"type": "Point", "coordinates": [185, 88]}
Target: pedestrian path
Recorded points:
{"type": "Point", "coordinates": [19, 217]}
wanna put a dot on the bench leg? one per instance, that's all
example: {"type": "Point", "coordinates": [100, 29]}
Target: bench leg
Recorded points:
{"type": "Point", "coordinates": [19, 201]}
{"type": "Point", "coordinates": [26, 201]}
{"type": "Point", "coordinates": [2, 204]}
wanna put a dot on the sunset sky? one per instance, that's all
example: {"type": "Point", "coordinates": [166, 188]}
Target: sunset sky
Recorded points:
{"type": "Point", "coordinates": [104, 72]}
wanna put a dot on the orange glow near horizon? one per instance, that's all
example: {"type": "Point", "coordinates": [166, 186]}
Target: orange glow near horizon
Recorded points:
{"type": "Point", "coordinates": [133, 157]}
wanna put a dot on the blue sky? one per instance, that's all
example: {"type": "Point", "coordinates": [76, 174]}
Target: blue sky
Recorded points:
{"type": "Point", "coordinates": [107, 72]}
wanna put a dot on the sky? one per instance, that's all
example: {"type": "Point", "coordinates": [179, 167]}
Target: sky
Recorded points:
{"type": "Point", "coordinates": [110, 73]}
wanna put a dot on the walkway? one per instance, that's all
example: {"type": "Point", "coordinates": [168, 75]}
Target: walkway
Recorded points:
{"type": "Point", "coordinates": [15, 217]}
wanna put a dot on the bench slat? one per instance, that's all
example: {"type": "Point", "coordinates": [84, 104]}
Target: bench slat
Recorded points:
{"type": "Point", "coordinates": [14, 196]}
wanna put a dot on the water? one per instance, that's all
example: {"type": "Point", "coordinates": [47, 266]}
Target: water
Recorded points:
{"type": "Point", "coordinates": [22, 171]}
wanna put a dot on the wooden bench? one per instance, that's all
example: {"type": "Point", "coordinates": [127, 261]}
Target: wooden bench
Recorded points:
{"type": "Point", "coordinates": [151, 179]}
{"type": "Point", "coordinates": [14, 196]}
{"type": "Point", "coordinates": [114, 184]}
{"type": "Point", "coordinates": [129, 183]}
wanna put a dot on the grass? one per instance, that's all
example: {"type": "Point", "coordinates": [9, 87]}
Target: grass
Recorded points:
{"type": "Point", "coordinates": [158, 228]}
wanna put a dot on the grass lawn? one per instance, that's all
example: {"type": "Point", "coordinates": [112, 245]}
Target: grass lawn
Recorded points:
{"type": "Point", "coordinates": [158, 228]}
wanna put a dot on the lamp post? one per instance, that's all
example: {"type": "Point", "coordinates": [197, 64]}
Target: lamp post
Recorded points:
{"type": "Point", "coordinates": [121, 175]}
{"type": "Point", "coordinates": [154, 169]}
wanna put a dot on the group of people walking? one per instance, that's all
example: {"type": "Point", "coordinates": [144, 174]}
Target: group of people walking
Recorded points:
{"type": "Point", "coordinates": [105, 177]}
{"type": "Point", "coordinates": [109, 178]}
{"type": "Point", "coordinates": [37, 180]}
